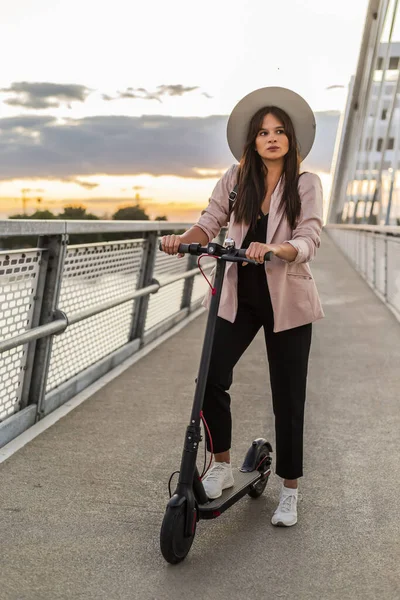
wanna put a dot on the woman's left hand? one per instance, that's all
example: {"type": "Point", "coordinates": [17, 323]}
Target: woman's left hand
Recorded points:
{"type": "Point", "coordinates": [256, 251]}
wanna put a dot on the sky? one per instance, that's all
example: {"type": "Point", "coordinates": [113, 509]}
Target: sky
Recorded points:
{"type": "Point", "coordinates": [104, 102]}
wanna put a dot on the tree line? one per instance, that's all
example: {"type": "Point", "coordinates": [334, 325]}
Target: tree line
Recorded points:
{"type": "Point", "coordinates": [133, 212]}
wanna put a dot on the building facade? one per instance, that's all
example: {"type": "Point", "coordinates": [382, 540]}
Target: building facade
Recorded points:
{"type": "Point", "coordinates": [366, 172]}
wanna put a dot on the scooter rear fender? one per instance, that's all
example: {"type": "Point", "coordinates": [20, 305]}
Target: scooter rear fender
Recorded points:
{"type": "Point", "coordinates": [252, 457]}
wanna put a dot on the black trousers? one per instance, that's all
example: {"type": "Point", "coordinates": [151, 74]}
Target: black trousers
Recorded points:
{"type": "Point", "coordinates": [288, 353]}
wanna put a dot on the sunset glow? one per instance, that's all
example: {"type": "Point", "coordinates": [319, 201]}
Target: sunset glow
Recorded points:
{"type": "Point", "coordinates": [180, 199]}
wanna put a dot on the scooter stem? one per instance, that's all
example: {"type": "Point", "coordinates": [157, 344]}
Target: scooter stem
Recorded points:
{"type": "Point", "coordinates": [193, 431]}
{"type": "Point", "coordinates": [208, 344]}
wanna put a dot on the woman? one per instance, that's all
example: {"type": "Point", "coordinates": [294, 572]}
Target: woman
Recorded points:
{"type": "Point", "coordinates": [270, 132]}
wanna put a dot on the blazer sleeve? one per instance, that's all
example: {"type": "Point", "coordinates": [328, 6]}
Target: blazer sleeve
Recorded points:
{"type": "Point", "coordinates": [216, 215]}
{"type": "Point", "coordinates": [306, 238]}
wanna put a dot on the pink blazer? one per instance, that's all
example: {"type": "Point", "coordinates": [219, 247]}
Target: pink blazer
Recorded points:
{"type": "Point", "coordinates": [294, 296]}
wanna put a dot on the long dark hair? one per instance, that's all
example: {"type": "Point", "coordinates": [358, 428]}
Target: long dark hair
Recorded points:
{"type": "Point", "coordinates": [252, 173]}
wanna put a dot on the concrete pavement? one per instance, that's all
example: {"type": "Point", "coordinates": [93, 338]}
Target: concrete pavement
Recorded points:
{"type": "Point", "coordinates": [82, 504]}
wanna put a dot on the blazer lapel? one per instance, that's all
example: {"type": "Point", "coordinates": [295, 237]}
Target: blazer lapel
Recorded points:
{"type": "Point", "coordinates": [275, 215]}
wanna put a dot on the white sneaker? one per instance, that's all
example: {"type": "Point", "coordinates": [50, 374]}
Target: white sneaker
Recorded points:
{"type": "Point", "coordinates": [286, 513]}
{"type": "Point", "coordinates": [218, 478]}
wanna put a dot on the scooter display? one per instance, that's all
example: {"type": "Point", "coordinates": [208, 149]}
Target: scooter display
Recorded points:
{"type": "Point", "coordinates": [189, 503]}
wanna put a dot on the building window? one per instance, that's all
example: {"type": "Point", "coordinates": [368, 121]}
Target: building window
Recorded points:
{"type": "Point", "coordinates": [384, 113]}
{"type": "Point", "coordinates": [379, 64]}
{"type": "Point", "coordinates": [394, 62]}
{"type": "Point", "coordinates": [390, 144]}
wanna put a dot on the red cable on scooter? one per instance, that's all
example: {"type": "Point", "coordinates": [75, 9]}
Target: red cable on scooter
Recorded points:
{"type": "Point", "coordinates": [213, 290]}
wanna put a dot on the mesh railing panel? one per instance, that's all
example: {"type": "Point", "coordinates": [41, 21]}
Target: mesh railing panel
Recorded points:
{"type": "Point", "coordinates": [377, 257]}
{"type": "Point", "coordinates": [92, 275]}
{"type": "Point", "coordinates": [393, 274]}
{"type": "Point", "coordinates": [361, 253]}
{"type": "Point", "coordinates": [167, 301]}
{"type": "Point", "coordinates": [18, 284]}
{"type": "Point", "coordinates": [370, 259]}
{"type": "Point", "coordinates": [380, 262]}
{"type": "Point", "coordinates": [85, 343]}
{"type": "Point", "coordinates": [351, 246]}
{"type": "Point", "coordinates": [97, 273]}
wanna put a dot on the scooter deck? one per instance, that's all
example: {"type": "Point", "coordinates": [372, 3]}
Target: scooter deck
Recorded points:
{"type": "Point", "coordinates": [242, 482]}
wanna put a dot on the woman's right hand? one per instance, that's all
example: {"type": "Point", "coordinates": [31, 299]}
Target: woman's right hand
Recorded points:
{"type": "Point", "coordinates": [170, 244]}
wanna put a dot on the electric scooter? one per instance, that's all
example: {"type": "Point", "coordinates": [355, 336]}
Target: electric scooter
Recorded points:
{"type": "Point", "coordinates": [189, 503]}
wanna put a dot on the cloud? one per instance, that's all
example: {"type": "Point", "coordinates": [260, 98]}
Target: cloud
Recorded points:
{"type": "Point", "coordinates": [41, 147]}
{"type": "Point", "coordinates": [44, 95]}
{"type": "Point", "coordinates": [88, 185]}
{"type": "Point", "coordinates": [175, 90]}
{"type": "Point", "coordinates": [160, 92]}
{"type": "Point", "coordinates": [25, 122]}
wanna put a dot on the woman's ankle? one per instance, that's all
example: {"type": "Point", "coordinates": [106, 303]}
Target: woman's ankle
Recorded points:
{"type": "Point", "coordinates": [291, 483]}
{"type": "Point", "coordinates": [223, 457]}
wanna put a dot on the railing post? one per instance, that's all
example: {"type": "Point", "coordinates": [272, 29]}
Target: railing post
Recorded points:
{"type": "Point", "coordinates": [48, 293]}
{"type": "Point", "coordinates": [145, 279]}
{"type": "Point", "coordinates": [188, 285]}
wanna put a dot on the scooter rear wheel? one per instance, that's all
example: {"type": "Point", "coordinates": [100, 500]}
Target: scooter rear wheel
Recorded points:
{"type": "Point", "coordinates": [258, 488]}
{"type": "Point", "coordinates": [174, 545]}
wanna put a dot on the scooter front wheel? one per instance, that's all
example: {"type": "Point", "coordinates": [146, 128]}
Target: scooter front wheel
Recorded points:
{"type": "Point", "coordinates": [174, 544]}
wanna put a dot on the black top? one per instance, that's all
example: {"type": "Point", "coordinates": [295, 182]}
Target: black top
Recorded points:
{"type": "Point", "coordinates": [252, 279]}
{"type": "Point", "coordinates": [257, 233]}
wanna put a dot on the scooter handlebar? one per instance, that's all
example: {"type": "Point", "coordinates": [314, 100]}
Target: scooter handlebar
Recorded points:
{"type": "Point", "coordinates": [195, 249]}
{"type": "Point", "coordinates": [233, 255]}
{"type": "Point", "coordinates": [185, 248]}
{"type": "Point", "coordinates": [241, 253]}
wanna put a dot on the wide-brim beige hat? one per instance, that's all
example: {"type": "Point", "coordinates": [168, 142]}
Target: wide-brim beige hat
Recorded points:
{"type": "Point", "coordinates": [294, 105]}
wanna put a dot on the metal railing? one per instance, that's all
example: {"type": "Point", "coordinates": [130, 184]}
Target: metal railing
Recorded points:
{"type": "Point", "coordinates": [375, 253]}
{"type": "Point", "coordinates": [70, 313]}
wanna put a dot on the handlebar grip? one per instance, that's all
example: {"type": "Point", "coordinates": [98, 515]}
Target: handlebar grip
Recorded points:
{"type": "Point", "coordinates": [183, 248]}
{"type": "Point", "coordinates": [242, 254]}
{"type": "Point", "coordinates": [195, 249]}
